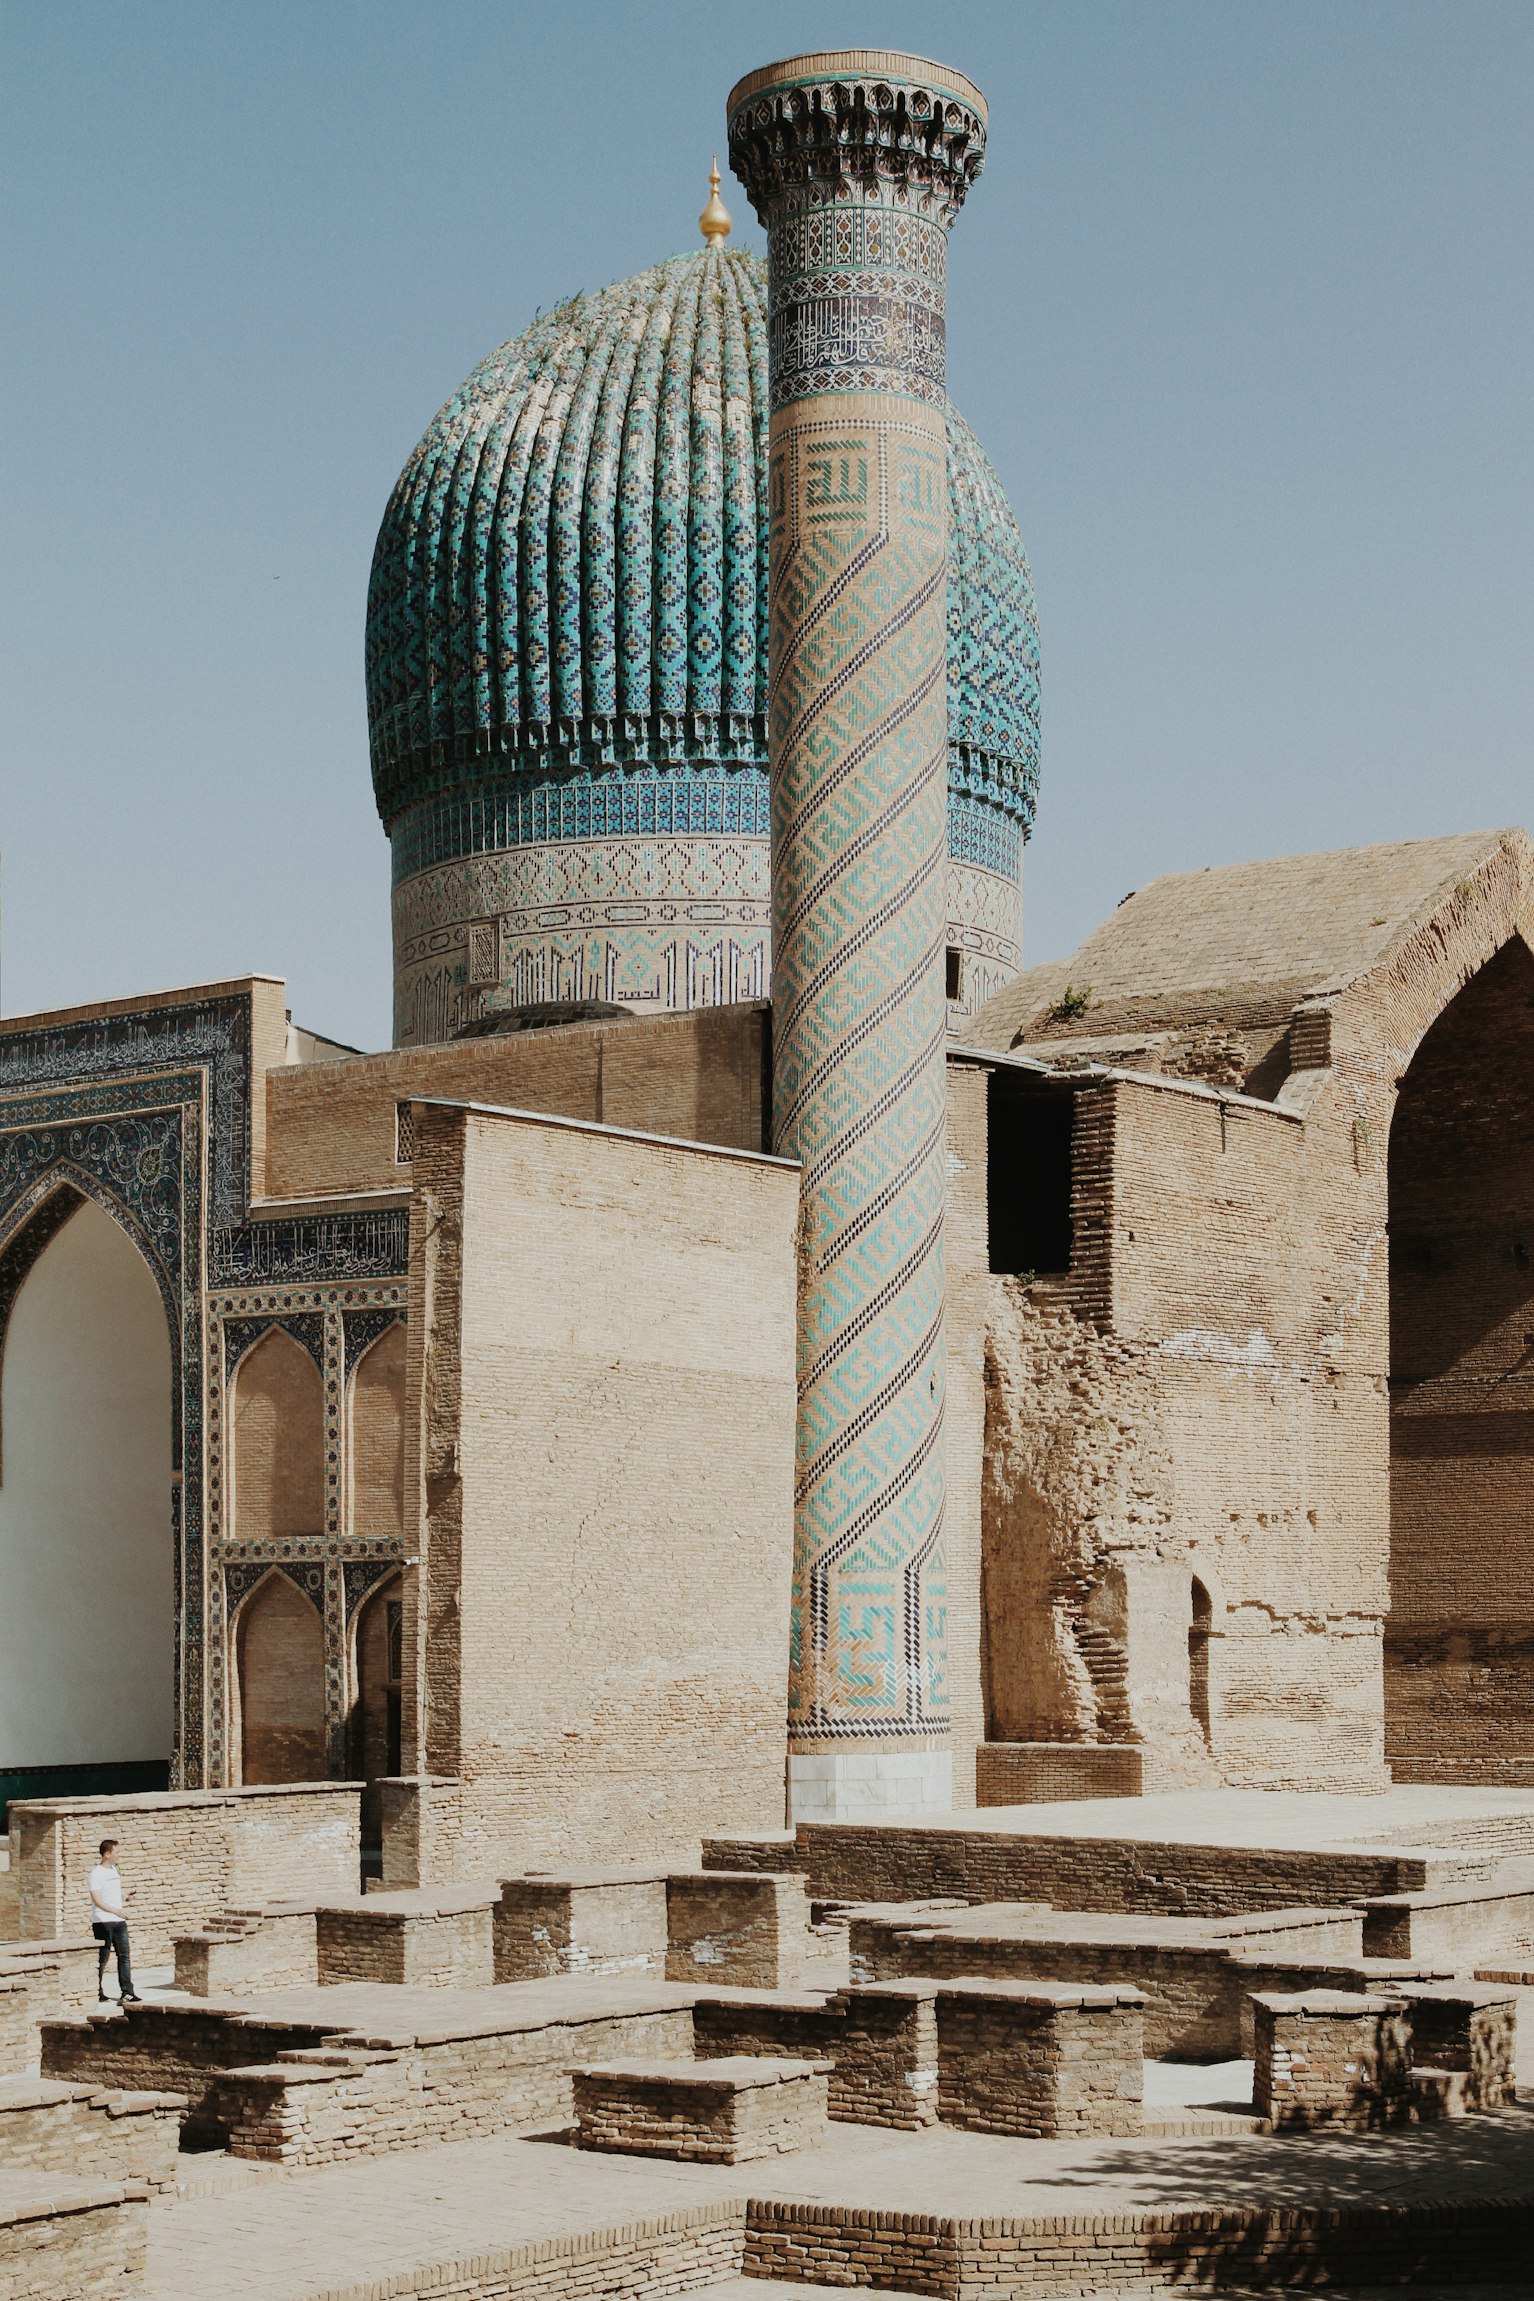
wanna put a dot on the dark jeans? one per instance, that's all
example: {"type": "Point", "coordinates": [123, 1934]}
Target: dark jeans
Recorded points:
{"type": "Point", "coordinates": [114, 1937]}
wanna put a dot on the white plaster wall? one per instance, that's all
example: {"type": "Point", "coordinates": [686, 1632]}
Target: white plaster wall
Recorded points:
{"type": "Point", "coordinates": [86, 1621]}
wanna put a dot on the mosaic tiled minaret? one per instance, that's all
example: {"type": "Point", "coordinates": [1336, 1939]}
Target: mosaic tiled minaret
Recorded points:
{"type": "Point", "coordinates": [857, 163]}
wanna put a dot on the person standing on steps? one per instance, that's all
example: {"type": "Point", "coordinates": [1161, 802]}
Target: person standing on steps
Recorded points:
{"type": "Point", "coordinates": [109, 1924]}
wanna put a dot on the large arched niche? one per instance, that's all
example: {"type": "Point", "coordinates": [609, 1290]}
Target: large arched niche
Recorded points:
{"type": "Point", "coordinates": [1459, 1648]}
{"type": "Point", "coordinates": [87, 1622]}
{"type": "Point", "coordinates": [279, 1677]}
{"type": "Point", "coordinates": [279, 1441]}
{"type": "Point", "coordinates": [377, 1438]}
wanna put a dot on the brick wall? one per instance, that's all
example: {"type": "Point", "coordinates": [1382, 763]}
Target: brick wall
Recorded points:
{"type": "Point", "coordinates": [1040, 2063]}
{"type": "Point", "coordinates": [38, 1981]}
{"type": "Point", "coordinates": [185, 1853]}
{"type": "Point", "coordinates": [1328, 2057]}
{"type": "Point", "coordinates": [696, 1076]}
{"type": "Point", "coordinates": [84, 2239]}
{"type": "Point", "coordinates": [593, 1922]}
{"type": "Point", "coordinates": [1322, 1418]}
{"type": "Point", "coordinates": [664, 2254]}
{"type": "Point", "coordinates": [58, 2128]}
{"type": "Point", "coordinates": [422, 1941]}
{"type": "Point", "coordinates": [168, 2048]}
{"type": "Point", "coordinates": [894, 1864]}
{"type": "Point", "coordinates": [349, 2101]}
{"type": "Point", "coordinates": [1234, 2247]}
{"type": "Point", "coordinates": [248, 1951]}
{"type": "Point", "coordinates": [881, 2042]}
{"type": "Point", "coordinates": [1477, 1924]}
{"type": "Point", "coordinates": [722, 2113]}
{"type": "Point", "coordinates": [602, 1339]}
{"type": "Point", "coordinates": [748, 1929]}
{"type": "Point", "coordinates": [1029, 1773]}
{"type": "Point", "coordinates": [1185, 1436]}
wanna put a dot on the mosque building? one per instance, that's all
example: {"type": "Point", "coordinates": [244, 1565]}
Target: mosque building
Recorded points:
{"type": "Point", "coordinates": [750, 1345]}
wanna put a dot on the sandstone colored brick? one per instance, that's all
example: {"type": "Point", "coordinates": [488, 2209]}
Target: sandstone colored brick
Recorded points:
{"type": "Point", "coordinates": [49, 2127]}
{"type": "Point", "coordinates": [602, 1338]}
{"type": "Point", "coordinates": [69, 2239]}
{"type": "Point", "coordinates": [720, 2112]}
{"type": "Point", "coordinates": [1040, 2060]}
{"type": "Point", "coordinates": [747, 1929]}
{"type": "Point", "coordinates": [1328, 2057]}
{"type": "Point", "coordinates": [185, 1853]}
{"type": "Point", "coordinates": [434, 1938]}
{"type": "Point", "coordinates": [586, 1921]}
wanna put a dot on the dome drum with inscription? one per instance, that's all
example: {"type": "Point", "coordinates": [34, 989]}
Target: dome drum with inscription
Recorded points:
{"type": "Point", "coordinates": [567, 668]}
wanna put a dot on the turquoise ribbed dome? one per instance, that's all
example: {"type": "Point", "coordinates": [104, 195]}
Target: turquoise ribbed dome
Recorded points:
{"type": "Point", "coordinates": [567, 633]}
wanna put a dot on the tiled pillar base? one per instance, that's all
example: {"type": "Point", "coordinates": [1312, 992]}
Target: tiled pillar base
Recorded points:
{"type": "Point", "coordinates": [870, 1784]}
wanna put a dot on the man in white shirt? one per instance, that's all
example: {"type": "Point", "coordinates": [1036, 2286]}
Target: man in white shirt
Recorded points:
{"type": "Point", "coordinates": [108, 1924]}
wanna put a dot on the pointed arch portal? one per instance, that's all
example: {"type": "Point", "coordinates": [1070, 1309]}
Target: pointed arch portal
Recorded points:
{"type": "Point", "coordinates": [1459, 1649]}
{"type": "Point", "coordinates": [87, 1622]}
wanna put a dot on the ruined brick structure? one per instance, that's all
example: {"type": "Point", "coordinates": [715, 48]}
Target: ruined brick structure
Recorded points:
{"type": "Point", "coordinates": [1262, 1215]}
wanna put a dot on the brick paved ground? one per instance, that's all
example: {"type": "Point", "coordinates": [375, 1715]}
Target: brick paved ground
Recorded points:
{"type": "Point", "coordinates": [303, 2233]}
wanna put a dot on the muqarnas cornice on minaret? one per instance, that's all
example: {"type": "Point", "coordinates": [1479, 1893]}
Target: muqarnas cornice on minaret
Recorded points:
{"type": "Point", "coordinates": [857, 163]}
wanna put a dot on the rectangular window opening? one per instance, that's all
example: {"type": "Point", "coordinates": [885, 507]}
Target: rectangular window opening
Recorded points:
{"type": "Point", "coordinates": [404, 1133]}
{"type": "Point", "coordinates": [1028, 1175]}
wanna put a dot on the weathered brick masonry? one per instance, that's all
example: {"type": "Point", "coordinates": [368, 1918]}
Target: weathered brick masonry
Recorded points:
{"type": "Point", "coordinates": [602, 1338]}
{"type": "Point", "coordinates": [1264, 1385]}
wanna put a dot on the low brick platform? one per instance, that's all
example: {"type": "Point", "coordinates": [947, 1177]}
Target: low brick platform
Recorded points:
{"type": "Point", "coordinates": [1003, 1854]}
{"type": "Point", "coordinates": [1084, 2256]}
{"type": "Point", "coordinates": [408, 2085]}
{"type": "Point", "coordinates": [581, 1921]}
{"type": "Point", "coordinates": [880, 2040]}
{"type": "Point", "coordinates": [50, 2127]}
{"type": "Point", "coordinates": [239, 1952]}
{"type": "Point", "coordinates": [38, 1981]}
{"type": "Point", "coordinates": [1196, 1973]}
{"type": "Point", "coordinates": [721, 2112]}
{"type": "Point", "coordinates": [1041, 2059]}
{"type": "Point", "coordinates": [434, 1938]}
{"type": "Point", "coordinates": [1331, 2057]}
{"type": "Point", "coordinates": [1479, 1922]}
{"type": "Point", "coordinates": [168, 2048]}
{"type": "Point", "coordinates": [63, 2239]}
{"type": "Point", "coordinates": [1046, 2059]}
{"type": "Point", "coordinates": [1469, 2033]}
{"type": "Point", "coordinates": [741, 1927]}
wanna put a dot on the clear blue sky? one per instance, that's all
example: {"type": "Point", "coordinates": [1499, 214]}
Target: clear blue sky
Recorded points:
{"type": "Point", "coordinates": [1242, 308]}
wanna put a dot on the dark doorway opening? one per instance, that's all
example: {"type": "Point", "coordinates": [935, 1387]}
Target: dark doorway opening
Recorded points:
{"type": "Point", "coordinates": [1028, 1173]}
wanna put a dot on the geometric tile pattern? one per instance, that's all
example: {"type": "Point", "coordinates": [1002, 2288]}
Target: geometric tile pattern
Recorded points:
{"type": "Point", "coordinates": [337, 1322]}
{"type": "Point", "coordinates": [858, 1048]}
{"type": "Point", "coordinates": [568, 629]}
{"type": "Point", "coordinates": [652, 923]}
{"type": "Point", "coordinates": [859, 1035]}
{"type": "Point", "coordinates": [148, 1113]}
{"type": "Point", "coordinates": [857, 185]}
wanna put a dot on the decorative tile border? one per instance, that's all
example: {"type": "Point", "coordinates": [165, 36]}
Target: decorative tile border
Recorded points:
{"type": "Point", "coordinates": [148, 1114]}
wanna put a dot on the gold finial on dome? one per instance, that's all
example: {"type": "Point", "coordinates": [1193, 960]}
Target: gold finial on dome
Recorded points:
{"type": "Point", "coordinates": [714, 223]}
